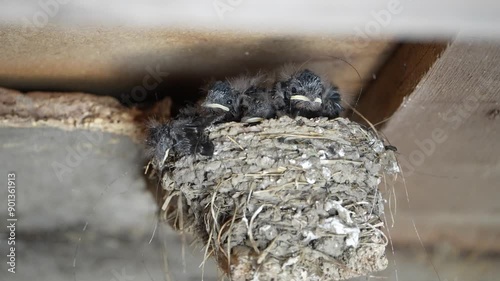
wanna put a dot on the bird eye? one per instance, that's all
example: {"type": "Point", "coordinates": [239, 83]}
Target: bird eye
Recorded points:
{"type": "Point", "coordinates": [294, 90]}
{"type": "Point", "coordinates": [229, 102]}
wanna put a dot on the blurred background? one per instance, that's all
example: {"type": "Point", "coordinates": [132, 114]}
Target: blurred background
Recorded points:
{"type": "Point", "coordinates": [78, 78]}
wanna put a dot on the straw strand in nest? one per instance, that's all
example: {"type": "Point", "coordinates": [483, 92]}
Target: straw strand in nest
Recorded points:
{"type": "Point", "coordinates": [286, 199]}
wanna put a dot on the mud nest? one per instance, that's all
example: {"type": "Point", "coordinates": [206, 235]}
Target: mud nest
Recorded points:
{"type": "Point", "coordinates": [287, 199]}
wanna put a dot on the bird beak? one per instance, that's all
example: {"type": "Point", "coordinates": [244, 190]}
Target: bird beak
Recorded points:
{"type": "Point", "coordinates": [252, 119]}
{"type": "Point", "coordinates": [216, 105]}
{"type": "Point", "coordinates": [300, 97]}
{"type": "Point", "coordinates": [304, 98]}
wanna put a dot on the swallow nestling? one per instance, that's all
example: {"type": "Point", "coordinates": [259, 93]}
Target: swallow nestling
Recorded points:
{"type": "Point", "coordinates": [261, 104]}
{"type": "Point", "coordinates": [224, 98]}
{"type": "Point", "coordinates": [303, 91]}
{"type": "Point", "coordinates": [330, 106]}
{"type": "Point", "coordinates": [200, 115]}
{"type": "Point", "coordinates": [259, 100]}
{"type": "Point", "coordinates": [176, 138]}
{"type": "Point", "coordinates": [307, 94]}
{"type": "Point", "coordinates": [223, 102]}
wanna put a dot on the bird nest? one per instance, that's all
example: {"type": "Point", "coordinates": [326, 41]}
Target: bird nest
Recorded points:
{"type": "Point", "coordinates": [286, 199]}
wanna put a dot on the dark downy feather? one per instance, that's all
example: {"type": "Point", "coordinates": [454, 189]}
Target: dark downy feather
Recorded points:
{"type": "Point", "coordinates": [179, 137]}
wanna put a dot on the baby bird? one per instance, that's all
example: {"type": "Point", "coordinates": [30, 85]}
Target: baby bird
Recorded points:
{"type": "Point", "coordinates": [177, 138]}
{"type": "Point", "coordinates": [222, 101]}
{"type": "Point", "coordinates": [307, 94]}
{"type": "Point", "coordinates": [303, 92]}
{"type": "Point", "coordinates": [257, 106]}
{"type": "Point", "coordinates": [224, 98]}
{"type": "Point", "coordinates": [331, 99]}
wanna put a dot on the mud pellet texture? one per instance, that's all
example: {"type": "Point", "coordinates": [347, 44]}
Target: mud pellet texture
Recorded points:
{"type": "Point", "coordinates": [287, 199]}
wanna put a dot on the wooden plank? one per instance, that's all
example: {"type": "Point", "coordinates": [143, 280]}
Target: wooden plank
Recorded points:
{"type": "Point", "coordinates": [447, 138]}
{"type": "Point", "coordinates": [163, 61]}
{"type": "Point", "coordinates": [374, 18]}
{"type": "Point", "coordinates": [397, 79]}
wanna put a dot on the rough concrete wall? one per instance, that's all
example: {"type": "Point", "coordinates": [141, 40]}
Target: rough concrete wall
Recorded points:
{"type": "Point", "coordinates": [79, 164]}
{"type": "Point", "coordinates": [69, 179]}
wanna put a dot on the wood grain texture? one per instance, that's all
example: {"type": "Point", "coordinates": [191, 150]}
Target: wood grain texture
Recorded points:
{"type": "Point", "coordinates": [374, 18]}
{"type": "Point", "coordinates": [447, 133]}
{"type": "Point", "coordinates": [397, 79]}
{"type": "Point", "coordinates": [162, 61]}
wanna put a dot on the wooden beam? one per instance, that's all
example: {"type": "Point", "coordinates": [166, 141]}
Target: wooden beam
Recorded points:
{"type": "Point", "coordinates": [397, 79]}
{"type": "Point", "coordinates": [447, 139]}
{"type": "Point", "coordinates": [365, 19]}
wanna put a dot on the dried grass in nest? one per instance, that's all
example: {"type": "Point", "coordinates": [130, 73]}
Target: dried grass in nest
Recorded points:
{"type": "Point", "coordinates": [287, 199]}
